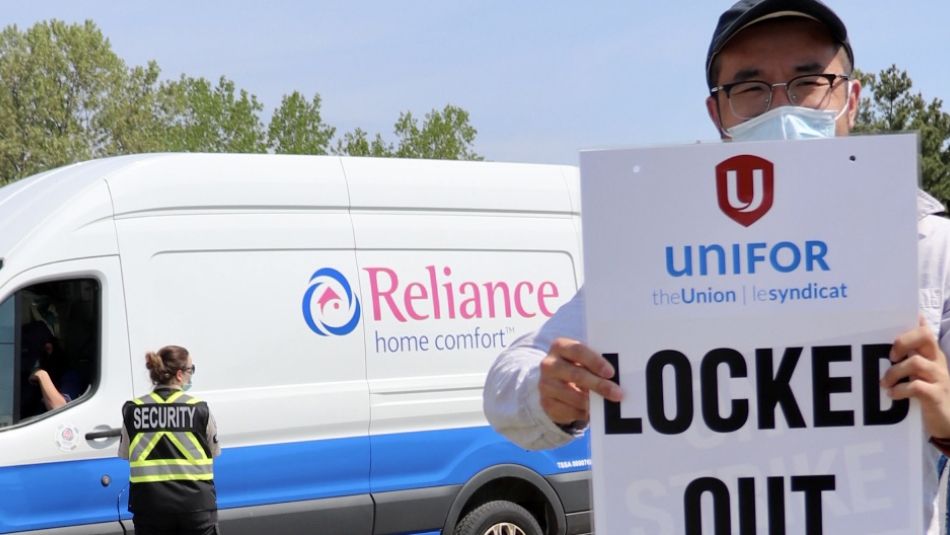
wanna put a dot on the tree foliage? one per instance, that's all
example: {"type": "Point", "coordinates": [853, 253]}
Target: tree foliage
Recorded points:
{"type": "Point", "coordinates": [443, 135]}
{"type": "Point", "coordinates": [356, 143]}
{"type": "Point", "coordinates": [298, 128]}
{"type": "Point", "coordinates": [893, 106]}
{"type": "Point", "coordinates": [65, 96]}
{"type": "Point", "coordinates": [55, 81]}
{"type": "Point", "coordinates": [131, 117]}
{"type": "Point", "coordinates": [197, 117]}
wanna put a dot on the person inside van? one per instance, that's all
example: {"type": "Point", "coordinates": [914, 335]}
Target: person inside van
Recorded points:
{"type": "Point", "coordinates": [774, 51]}
{"type": "Point", "coordinates": [57, 382]}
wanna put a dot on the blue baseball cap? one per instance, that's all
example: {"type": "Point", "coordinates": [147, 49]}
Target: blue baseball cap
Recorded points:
{"type": "Point", "coordinates": [748, 12]}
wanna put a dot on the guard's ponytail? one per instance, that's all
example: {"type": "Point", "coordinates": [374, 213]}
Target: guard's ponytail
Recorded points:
{"type": "Point", "coordinates": [164, 364]}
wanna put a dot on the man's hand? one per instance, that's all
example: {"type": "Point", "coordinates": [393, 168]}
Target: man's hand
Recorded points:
{"type": "Point", "coordinates": [568, 372]}
{"type": "Point", "coordinates": [919, 362]}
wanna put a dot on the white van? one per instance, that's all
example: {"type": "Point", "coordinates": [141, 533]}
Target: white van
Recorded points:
{"type": "Point", "coordinates": [341, 313]}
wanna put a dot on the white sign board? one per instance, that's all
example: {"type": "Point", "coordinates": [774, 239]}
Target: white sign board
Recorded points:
{"type": "Point", "coordinates": [749, 293]}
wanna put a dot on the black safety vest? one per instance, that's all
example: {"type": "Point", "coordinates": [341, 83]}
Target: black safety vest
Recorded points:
{"type": "Point", "coordinates": [170, 463]}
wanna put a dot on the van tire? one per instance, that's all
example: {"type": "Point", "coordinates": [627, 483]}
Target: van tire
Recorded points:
{"type": "Point", "coordinates": [498, 517]}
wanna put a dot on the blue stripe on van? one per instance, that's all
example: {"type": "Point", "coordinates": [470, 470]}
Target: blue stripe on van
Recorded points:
{"type": "Point", "coordinates": [275, 473]}
{"type": "Point", "coordinates": [60, 494]}
{"type": "Point", "coordinates": [453, 456]}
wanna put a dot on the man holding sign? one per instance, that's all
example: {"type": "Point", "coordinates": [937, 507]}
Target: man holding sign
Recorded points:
{"type": "Point", "coordinates": [777, 69]}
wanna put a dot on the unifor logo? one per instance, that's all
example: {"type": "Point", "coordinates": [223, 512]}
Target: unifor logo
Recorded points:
{"type": "Point", "coordinates": [744, 186]}
{"type": "Point", "coordinates": [329, 306]}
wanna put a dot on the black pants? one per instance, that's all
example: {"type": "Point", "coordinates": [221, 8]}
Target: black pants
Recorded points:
{"type": "Point", "coordinates": [200, 523]}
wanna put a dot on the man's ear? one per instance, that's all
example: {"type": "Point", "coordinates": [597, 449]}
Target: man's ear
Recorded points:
{"type": "Point", "coordinates": [854, 102]}
{"type": "Point", "coordinates": [712, 108]}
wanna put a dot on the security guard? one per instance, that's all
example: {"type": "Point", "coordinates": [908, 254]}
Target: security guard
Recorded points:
{"type": "Point", "coordinates": [170, 440]}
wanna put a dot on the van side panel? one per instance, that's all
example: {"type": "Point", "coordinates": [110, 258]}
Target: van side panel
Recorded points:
{"type": "Point", "coordinates": [455, 265]}
{"type": "Point", "coordinates": [267, 376]}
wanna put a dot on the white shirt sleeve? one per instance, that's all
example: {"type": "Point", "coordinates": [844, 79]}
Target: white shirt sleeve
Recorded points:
{"type": "Point", "coordinates": [934, 301]}
{"type": "Point", "coordinates": [124, 443]}
{"type": "Point", "coordinates": [213, 436]}
{"type": "Point", "coordinates": [512, 403]}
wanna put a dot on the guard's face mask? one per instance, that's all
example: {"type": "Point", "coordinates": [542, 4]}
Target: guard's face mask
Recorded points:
{"type": "Point", "coordinates": [187, 386]}
{"type": "Point", "coordinates": [786, 122]}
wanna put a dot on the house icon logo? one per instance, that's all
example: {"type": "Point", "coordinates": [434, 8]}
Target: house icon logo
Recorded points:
{"type": "Point", "coordinates": [329, 305]}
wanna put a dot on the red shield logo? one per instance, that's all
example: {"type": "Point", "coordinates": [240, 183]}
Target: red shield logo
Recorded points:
{"type": "Point", "coordinates": [744, 186]}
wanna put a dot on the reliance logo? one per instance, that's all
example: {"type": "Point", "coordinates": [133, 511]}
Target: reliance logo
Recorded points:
{"type": "Point", "coordinates": [744, 186]}
{"type": "Point", "coordinates": [437, 295]}
{"type": "Point", "coordinates": [329, 306]}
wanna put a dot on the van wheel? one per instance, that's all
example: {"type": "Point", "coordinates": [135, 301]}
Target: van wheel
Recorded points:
{"type": "Point", "coordinates": [498, 518]}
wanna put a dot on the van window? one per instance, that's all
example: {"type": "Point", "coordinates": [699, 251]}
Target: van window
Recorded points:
{"type": "Point", "coordinates": [49, 338]}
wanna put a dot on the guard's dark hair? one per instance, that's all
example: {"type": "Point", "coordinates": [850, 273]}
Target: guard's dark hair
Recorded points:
{"type": "Point", "coordinates": [164, 364]}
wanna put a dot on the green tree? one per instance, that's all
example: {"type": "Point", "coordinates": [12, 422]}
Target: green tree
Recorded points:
{"type": "Point", "coordinates": [55, 80]}
{"type": "Point", "coordinates": [200, 118]}
{"type": "Point", "coordinates": [443, 135]}
{"type": "Point", "coordinates": [357, 143]}
{"type": "Point", "coordinates": [131, 116]}
{"type": "Point", "coordinates": [892, 106]}
{"type": "Point", "coordinates": [65, 96]}
{"type": "Point", "coordinates": [297, 127]}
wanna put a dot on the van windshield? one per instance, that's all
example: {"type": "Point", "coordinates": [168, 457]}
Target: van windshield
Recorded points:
{"type": "Point", "coordinates": [49, 347]}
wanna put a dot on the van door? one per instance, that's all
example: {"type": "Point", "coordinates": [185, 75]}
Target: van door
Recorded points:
{"type": "Point", "coordinates": [64, 323]}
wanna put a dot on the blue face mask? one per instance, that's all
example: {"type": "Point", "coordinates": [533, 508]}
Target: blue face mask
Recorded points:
{"type": "Point", "coordinates": [187, 386]}
{"type": "Point", "coordinates": [787, 122]}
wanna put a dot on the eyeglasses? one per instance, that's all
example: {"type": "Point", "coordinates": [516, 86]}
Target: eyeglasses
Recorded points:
{"type": "Point", "coordinates": [752, 98]}
{"type": "Point", "coordinates": [190, 369]}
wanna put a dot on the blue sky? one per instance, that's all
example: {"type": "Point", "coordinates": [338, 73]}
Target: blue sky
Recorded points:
{"type": "Point", "coordinates": [541, 80]}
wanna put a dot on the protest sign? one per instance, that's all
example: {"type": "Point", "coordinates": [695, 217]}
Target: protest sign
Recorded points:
{"type": "Point", "coordinates": [748, 294]}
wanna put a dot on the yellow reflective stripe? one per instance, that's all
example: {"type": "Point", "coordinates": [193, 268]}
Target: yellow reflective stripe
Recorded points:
{"type": "Point", "coordinates": [181, 447]}
{"type": "Point", "coordinates": [151, 445]}
{"type": "Point", "coordinates": [135, 444]}
{"type": "Point", "coordinates": [153, 441]}
{"type": "Point", "coordinates": [174, 396]}
{"type": "Point", "coordinates": [198, 448]}
{"type": "Point", "coordinates": [172, 462]}
{"type": "Point", "coordinates": [171, 477]}
{"type": "Point", "coordinates": [192, 401]}
{"type": "Point", "coordinates": [138, 401]}
{"type": "Point", "coordinates": [135, 441]}
{"type": "Point", "coordinates": [171, 469]}
{"type": "Point", "coordinates": [188, 441]}
{"type": "Point", "coordinates": [156, 397]}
